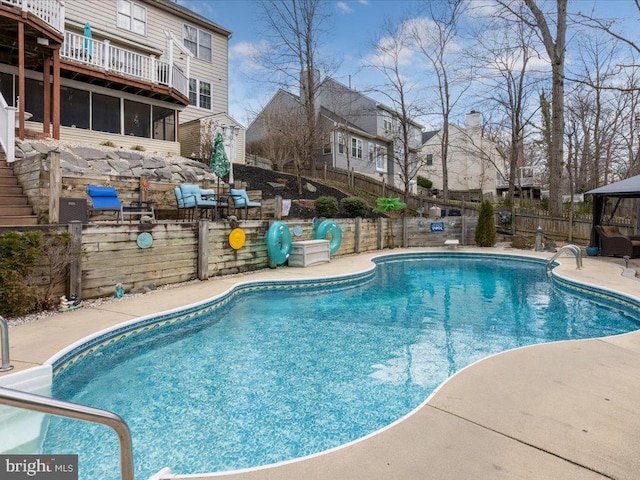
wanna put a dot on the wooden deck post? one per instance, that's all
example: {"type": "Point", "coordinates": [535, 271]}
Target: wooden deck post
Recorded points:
{"type": "Point", "coordinates": [203, 249]}
{"type": "Point", "coordinates": [405, 234]}
{"type": "Point", "coordinates": [278, 213]}
{"type": "Point", "coordinates": [380, 239]}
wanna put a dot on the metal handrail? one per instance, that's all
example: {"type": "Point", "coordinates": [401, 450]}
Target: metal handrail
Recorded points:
{"type": "Point", "coordinates": [52, 406]}
{"type": "Point", "coordinates": [5, 365]}
{"type": "Point", "coordinates": [571, 248]}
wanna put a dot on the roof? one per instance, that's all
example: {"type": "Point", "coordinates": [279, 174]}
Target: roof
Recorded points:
{"type": "Point", "coordinates": [629, 187]}
{"type": "Point", "coordinates": [194, 16]}
{"type": "Point", "coordinates": [426, 136]}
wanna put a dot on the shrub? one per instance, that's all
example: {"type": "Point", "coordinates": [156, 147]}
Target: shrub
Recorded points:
{"type": "Point", "coordinates": [486, 229]}
{"type": "Point", "coordinates": [424, 182]}
{"type": "Point", "coordinates": [139, 148]}
{"type": "Point", "coordinates": [354, 207]}
{"type": "Point", "coordinates": [326, 206]}
{"type": "Point", "coordinates": [19, 254]}
{"type": "Point", "coordinates": [108, 143]}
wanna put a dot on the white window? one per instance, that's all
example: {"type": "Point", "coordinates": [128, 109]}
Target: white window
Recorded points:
{"type": "Point", "coordinates": [379, 159]}
{"type": "Point", "coordinates": [198, 42]}
{"type": "Point", "coordinates": [341, 143]}
{"type": "Point", "coordinates": [132, 17]}
{"type": "Point", "coordinates": [387, 124]}
{"type": "Point", "coordinates": [429, 159]}
{"type": "Point", "coordinates": [356, 148]}
{"type": "Point", "coordinates": [371, 151]}
{"type": "Point", "coordinates": [200, 93]}
{"type": "Point", "coordinates": [326, 145]}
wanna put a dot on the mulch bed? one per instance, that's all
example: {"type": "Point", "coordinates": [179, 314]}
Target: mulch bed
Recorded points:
{"type": "Point", "coordinates": [277, 183]}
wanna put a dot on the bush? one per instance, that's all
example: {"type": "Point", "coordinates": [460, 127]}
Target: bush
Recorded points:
{"type": "Point", "coordinates": [19, 254]}
{"type": "Point", "coordinates": [425, 182]}
{"type": "Point", "coordinates": [354, 207]}
{"type": "Point", "coordinates": [486, 229]}
{"type": "Point", "coordinates": [326, 206]}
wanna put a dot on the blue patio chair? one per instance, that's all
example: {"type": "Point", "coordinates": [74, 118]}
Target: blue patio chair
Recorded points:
{"type": "Point", "coordinates": [185, 212]}
{"type": "Point", "coordinates": [202, 201]}
{"type": "Point", "coordinates": [241, 200]}
{"type": "Point", "coordinates": [106, 199]}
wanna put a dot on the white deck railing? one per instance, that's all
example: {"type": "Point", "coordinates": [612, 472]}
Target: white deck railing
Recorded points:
{"type": "Point", "coordinates": [103, 55]}
{"type": "Point", "coordinates": [51, 11]}
{"type": "Point", "coordinates": [8, 129]}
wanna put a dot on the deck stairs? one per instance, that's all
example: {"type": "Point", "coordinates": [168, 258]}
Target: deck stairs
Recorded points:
{"type": "Point", "coordinates": [15, 209]}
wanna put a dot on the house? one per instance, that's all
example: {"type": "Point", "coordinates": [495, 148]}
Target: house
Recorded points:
{"type": "Point", "coordinates": [196, 137]}
{"type": "Point", "coordinates": [474, 165]}
{"type": "Point", "coordinates": [358, 133]}
{"type": "Point", "coordinates": [128, 72]}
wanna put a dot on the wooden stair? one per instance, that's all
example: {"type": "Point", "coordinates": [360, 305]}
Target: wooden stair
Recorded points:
{"type": "Point", "coordinates": [15, 209]}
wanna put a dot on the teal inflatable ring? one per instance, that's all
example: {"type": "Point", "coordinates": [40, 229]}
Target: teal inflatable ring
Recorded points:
{"type": "Point", "coordinates": [329, 226]}
{"type": "Point", "coordinates": [279, 242]}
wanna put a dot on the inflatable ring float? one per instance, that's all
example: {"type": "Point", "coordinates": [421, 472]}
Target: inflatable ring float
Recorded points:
{"type": "Point", "coordinates": [329, 226]}
{"type": "Point", "coordinates": [279, 242]}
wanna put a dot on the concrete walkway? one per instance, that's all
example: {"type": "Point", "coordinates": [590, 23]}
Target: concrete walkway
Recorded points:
{"type": "Point", "coordinates": [568, 410]}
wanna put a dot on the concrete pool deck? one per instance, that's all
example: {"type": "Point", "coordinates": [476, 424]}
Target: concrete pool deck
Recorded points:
{"type": "Point", "coordinates": [568, 410]}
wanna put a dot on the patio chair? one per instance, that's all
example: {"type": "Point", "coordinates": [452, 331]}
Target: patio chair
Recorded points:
{"type": "Point", "coordinates": [106, 199]}
{"type": "Point", "coordinates": [241, 200]}
{"type": "Point", "coordinates": [186, 212]}
{"type": "Point", "coordinates": [613, 243]}
{"type": "Point", "coordinates": [201, 200]}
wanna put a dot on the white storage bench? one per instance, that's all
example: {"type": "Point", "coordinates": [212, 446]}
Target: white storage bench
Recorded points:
{"type": "Point", "coordinates": [309, 252]}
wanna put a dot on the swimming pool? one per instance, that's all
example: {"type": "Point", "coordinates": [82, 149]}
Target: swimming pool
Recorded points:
{"type": "Point", "coordinates": [267, 379]}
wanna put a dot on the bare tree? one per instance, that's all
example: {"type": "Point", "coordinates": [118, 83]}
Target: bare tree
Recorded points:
{"type": "Point", "coordinates": [295, 31]}
{"type": "Point", "coordinates": [435, 41]}
{"type": "Point", "coordinates": [390, 62]}
{"type": "Point", "coordinates": [509, 76]}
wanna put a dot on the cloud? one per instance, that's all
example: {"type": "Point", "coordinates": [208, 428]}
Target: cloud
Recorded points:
{"type": "Point", "coordinates": [343, 7]}
{"type": "Point", "coordinates": [363, 2]}
{"type": "Point", "coordinates": [247, 55]}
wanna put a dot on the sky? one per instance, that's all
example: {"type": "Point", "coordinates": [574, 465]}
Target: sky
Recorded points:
{"type": "Point", "coordinates": [356, 26]}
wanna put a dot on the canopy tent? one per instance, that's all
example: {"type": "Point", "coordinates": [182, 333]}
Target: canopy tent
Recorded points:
{"type": "Point", "coordinates": [628, 188]}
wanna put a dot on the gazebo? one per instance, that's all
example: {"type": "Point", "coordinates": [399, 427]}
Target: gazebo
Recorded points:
{"type": "Point", "coordinates": [628, 188]}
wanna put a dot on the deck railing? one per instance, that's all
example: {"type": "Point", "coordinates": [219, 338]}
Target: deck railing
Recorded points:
{"type": "Point", "coordinates": [7, 129]}
{"type": "Point", "coordinates": [103, 55]}
{"type": "Point", "coordinates": [50, 11]}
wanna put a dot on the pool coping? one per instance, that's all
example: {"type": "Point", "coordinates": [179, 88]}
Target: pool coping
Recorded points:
{"type": "Point", "coordinates": [450, 435]}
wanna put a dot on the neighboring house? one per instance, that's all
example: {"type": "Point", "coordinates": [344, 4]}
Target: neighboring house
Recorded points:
{"type": "Point", "coordinates": [358, 132]}
{"type": "Point", "coordinates": [473, 163]}
{"type": "Point", "coordinates": [121, 71]}
{"type": "Point", "coordinates": [196, 137]}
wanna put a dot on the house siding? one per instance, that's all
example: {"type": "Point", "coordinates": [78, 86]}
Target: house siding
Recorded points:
{"type": "Point", "coordinates": [102, 16]}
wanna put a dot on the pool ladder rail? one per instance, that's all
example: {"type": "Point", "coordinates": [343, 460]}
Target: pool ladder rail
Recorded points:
{"type": "Point", "coordinates": [574, 249]}
{"type": "Point", "coordinates": [52, 406]}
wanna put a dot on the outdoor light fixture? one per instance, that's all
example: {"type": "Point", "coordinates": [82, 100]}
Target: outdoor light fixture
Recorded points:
{"type": "Point", "coordinates": [43, 41]}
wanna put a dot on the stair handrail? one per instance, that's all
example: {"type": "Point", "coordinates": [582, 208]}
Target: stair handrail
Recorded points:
{"type": "Point", "coordinates": [5, 364]}
{"type": "Point", "coordinates": [8, 129]}
{"type": "Point", "coordinates": [52, 406]}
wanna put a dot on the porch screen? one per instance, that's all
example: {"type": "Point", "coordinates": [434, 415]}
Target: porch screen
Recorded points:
{"type": "Point", "coordinates": [137, 119]}
{"type": "Point", "coordinates": [105, 113]}
{"type": "Point", "coordinates": [34, 99]}
{"type": "Point", "coordinates": [6, 88]}
{"type": "Point", "coordinates": [74, 107]}
{"type": "Point", "coordinates": [164, 122]}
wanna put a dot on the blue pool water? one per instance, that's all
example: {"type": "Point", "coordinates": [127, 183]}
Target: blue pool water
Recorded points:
{"type": "Point", "coordinates": [279, 374]}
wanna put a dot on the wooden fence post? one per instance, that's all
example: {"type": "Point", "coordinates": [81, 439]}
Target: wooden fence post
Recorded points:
{"type": "Point", "coordinates": [75, 267]}
{"type": "Point", "coordinates": [278, 213]}
{"type": "Point", "coordinates": [358, 234]}
{"type": "Point", "coordinates": [55, 186]}
{"type": "Point", "coordinates": [380, 239]}
{"type": "Point", "coordinates": [203, 249]}
{"type": "Point", "coordinates": [405, 239]}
